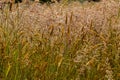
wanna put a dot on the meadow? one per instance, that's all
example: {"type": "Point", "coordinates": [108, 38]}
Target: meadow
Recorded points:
{"type": "Point", "coordinates": [60, 41]}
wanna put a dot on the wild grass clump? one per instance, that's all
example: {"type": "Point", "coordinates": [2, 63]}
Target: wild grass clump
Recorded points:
{"type": "Point", "coordinates": [61, 42]}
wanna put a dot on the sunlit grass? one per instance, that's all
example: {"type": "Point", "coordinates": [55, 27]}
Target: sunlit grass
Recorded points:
{"type": "Point", "coordinates": [56, 42]}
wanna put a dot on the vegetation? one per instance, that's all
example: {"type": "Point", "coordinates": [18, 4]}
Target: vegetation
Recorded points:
{"type": "Point", "coordinates": [61, 41]}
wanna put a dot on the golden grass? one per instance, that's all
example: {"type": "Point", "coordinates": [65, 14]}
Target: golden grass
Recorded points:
{"type": "Point", "coordinates": [61, 41]}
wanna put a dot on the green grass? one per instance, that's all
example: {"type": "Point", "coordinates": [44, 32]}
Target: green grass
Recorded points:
{"type": "Point", "coordinates": [59, 52]}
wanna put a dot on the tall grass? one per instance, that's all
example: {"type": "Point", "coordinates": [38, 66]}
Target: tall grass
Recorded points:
{"type": "Point", "coordinates": [55, 44]}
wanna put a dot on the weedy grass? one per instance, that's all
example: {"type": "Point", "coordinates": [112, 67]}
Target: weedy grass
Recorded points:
{"type": "Point", "coordinates": [50, 42]}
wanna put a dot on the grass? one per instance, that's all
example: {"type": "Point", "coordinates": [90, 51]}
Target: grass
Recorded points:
{"type": "Point", "coordinates": [61, 42]}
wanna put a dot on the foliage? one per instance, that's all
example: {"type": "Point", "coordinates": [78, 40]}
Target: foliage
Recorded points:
{"type": "Point", "coordinates": [74, 46]}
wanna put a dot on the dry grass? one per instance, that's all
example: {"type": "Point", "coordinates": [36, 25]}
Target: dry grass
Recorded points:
{"type": "Point", "coordinates": [61, 41]}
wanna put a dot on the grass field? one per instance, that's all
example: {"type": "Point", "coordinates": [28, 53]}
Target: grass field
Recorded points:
{"type": "Point", "coordinates": [61, 41]}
